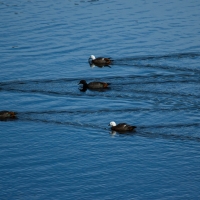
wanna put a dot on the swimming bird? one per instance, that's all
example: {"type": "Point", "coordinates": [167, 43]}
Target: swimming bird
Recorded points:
{"type": "Point", "coordinates": [122, 127]}
{"type": "Point", "coordinates": [5, 115]}
{"type": "Point", "coordinates": [100, 61]}
{"type": "Point", "coordinates": [93, 85]}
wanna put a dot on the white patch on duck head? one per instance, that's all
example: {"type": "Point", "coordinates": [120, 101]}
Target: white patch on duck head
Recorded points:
{"type": "Point", "coordinates": [112, 123]}
{"type": "Point", "coordinates": [92, 57]}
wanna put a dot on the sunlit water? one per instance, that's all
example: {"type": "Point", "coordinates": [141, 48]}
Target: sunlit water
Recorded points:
{"type": "Point", "coordinates": [61, 147]}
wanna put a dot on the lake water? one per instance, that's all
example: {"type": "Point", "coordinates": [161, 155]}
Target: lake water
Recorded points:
{"type": "Point", "coordinates": [61, 146]}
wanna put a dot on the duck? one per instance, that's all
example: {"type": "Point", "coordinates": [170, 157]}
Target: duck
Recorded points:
{"type": "Point", "coordinates": [5, 115]}
{"type": "Point", "coordinates": [93, 85]}
{"type": "Point", "coordinates": [122, 127]}
{"type": "Point", "coordinates": [100, 61]}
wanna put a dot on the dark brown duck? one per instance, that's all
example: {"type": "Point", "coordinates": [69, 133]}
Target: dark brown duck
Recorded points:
{"type": "Point", "coordinates": [93, 85]}
{"type": "Point", "coordinates": [5, 115]}
{"type": "Point", "coordinates": [100, 61]}
{"type": "Point", "coordinates": [122, 127]}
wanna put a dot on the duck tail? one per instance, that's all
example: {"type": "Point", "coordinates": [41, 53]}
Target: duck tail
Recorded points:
{"type": "Point", "coordinates": [105, 85]}
{"type": "Point", "coordinates": [111, 60]}
{"type": "Point", "coordinates": [131, 128]}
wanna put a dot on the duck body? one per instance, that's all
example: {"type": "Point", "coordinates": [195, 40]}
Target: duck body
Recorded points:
{"type": "Point", "coordinates": [122, 127]}
{"type": "Point", "coordinates": [93, 85]}
{"type": "Point", "coordinates": [97, 85]}
{"type": "Point", "coordinates": [5, 115]}
{"type": "Point", "coordinates": [100, 61]}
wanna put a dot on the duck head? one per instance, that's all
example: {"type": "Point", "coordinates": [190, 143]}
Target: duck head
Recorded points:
{"type": "Point", "coordinates": [83, 82]}
{"type": "Point", "coordinates": [112, 124]}
{"type": "Point", "coordinates": [92, 57]}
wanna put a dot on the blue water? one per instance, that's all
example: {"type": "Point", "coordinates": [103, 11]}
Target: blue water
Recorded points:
{"type": "Point", "coordinates": [61, 146]}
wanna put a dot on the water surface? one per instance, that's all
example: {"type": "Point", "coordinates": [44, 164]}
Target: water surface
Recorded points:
{"type": "Point", "coordinates": [61, 146]}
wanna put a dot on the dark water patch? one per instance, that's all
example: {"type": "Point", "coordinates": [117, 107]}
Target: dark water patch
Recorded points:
{"type": "Point", "coordinates": [38, 81]}
{"type": "Point", "coordinates": [158, 57]}
{"type": "Point", "coordinates": [108, 110]}
{"type": "Point", "coordinates": [114, 80]}
{"type": "Point", "coordinates": [176, 125]}
{"type": "Point", "coordinates": [65, 123]}
{"type": "Point", "coordinates": [52, 93]}
{"type": "Point", "coordinates": [162, 67]}
{"type": "Point", "coordinates": [163, 62]}
{"type": "Point", "coordinates": [153, 78]}
{"type": "Point", "coordinates": [164, 93]}
{"type": "Point", "coordinates": [93, 100]}
{"type": "Point", "coordinates": [180, 131]}
{"type": "Point", "coordinates": [168, 136]}
{"type": "Point", "coordinates": [122, 80]}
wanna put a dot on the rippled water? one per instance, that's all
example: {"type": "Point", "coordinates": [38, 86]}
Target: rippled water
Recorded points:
{"type": "Point", "coordinates": [61, 147]}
